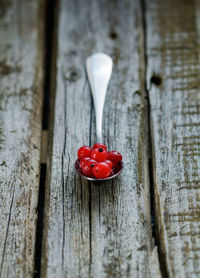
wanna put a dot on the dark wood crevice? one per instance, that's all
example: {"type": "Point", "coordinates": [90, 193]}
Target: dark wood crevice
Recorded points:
{"type": "Point", "coordinates": [39, 230]}
{"type": "Point", "coordinates": [50, 15]}
{"type": "Point", "coordinates": [48, 37]}
{"type": "Point", "coordinates": [150, 150]}
{"type": "Point", "coordinates": [155, 79]}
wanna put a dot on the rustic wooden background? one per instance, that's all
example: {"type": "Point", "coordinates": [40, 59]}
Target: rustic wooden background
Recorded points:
{"type": "Point", "coordinates": [146, 223]}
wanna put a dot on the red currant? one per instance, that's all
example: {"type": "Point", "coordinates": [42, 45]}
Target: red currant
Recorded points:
{"type": "Point", "coordinates": [84, 151]}
{"type": "Point", "coordinates": [101, 170]}
{"type": "Point", "coordinates": [99, 154]}
{"type": "Point", "coordinates": [110, 164]}
{"type": "Point", "coordinates": [115, 157]}
{"type": "Point", "coordinates": [83, 160]}
{"type": "Point", "coordinates": [87, 168]}
{"type": "Point", "coordinates": [97, 146]}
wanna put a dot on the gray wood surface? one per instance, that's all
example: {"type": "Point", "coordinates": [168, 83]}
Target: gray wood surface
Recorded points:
{"type": "Point", "coordinates": [99, 230]}
{"type": "Point", "coordinates": [20, 124]}
{"type": "Point", "coordinates": [173, 33]}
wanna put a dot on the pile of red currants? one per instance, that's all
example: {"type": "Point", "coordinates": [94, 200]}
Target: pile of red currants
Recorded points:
{"type": "Point", "coordinates": [97, 162]}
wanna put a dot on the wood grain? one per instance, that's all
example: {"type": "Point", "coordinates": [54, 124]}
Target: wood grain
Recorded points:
{"type": "Point", "coordinates": [173, 78]}
{"type": "Point", "coordinates": [99, 230]}
{"type": "Point", "coordinates": [21, 78]}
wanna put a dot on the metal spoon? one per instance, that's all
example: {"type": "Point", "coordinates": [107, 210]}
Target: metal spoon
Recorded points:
{"type": "Point", "coordinates": [99, 69]}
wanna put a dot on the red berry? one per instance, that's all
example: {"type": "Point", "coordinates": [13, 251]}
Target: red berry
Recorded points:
{"type": "Point", "coordinates": [84, 151]}
{"type": "Point", "coordinates": [87, 168]}
{"type": "Point", "coordinates": [110, 164]}
{"type": "Point", "coordinates": [115, 157]}
{"type": "Point", "coordinates": [99, 154]}
{"type": "Point", "coordinates": [83, 160]}
{"type": "Point", "coordinates": [97, 146]}
{"type": "Point", "coordinates": [101, 170]}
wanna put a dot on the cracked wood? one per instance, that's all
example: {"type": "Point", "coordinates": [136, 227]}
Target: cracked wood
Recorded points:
{"type": "Point", "coordinates": [20, 124]}
{"type": "Point", "coordinates": [173, 35]}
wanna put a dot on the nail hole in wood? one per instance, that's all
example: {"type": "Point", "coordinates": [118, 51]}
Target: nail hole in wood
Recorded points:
{"type": "Point", "coordinates": [137, 93]}
{"type": "Point", "coordinates": [72, 75]}
{"type": "Point", "coordinates": [156, 79]}
{"type": "Point", "coordinates": [113, 35]}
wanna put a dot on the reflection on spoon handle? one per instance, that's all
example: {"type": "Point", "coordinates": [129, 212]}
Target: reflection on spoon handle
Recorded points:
{"type": "Point", "coordinates": [99, 69]}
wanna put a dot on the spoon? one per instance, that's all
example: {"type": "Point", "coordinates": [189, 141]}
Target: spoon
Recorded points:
{"type": "Point", "coordinates": [99, 69]}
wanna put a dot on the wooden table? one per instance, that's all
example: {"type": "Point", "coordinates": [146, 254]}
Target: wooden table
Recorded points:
{"type": "Point", "coordinates": [146, 223]}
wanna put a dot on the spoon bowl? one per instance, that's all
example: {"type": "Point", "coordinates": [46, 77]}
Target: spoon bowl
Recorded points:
{"type": "Point", "coordinates": [116, 173]}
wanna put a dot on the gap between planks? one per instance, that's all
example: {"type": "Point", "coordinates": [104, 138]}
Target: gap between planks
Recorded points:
{"type": "Point", "coordinates": [151, 163]}
{"type": "Point", "coordinates": [48, 106]}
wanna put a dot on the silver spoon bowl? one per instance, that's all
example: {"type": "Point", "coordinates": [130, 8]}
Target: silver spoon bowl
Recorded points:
{"type": "Point", "coordinates": [114, 175]}
{"type": "Point", "coordinates": [99, 69]}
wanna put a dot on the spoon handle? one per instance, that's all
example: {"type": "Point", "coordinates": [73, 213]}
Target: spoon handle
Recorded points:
{"type": "Point", "coordinates": [99, 69]}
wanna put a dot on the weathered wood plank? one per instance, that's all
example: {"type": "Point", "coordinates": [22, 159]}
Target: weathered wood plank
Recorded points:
{"type": "Point", "coordinates": [21, 55]}
{"type": "Point", "coordinates": [99, 230]}
{"type": "Point", "coordinates": [173, 59]}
